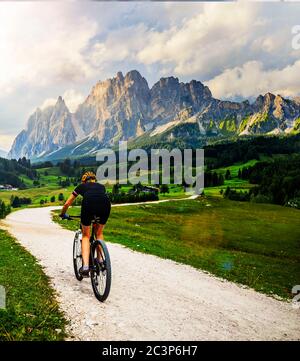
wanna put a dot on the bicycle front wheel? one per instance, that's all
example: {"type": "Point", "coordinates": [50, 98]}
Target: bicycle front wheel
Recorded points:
{"type": "Point", "coordinates": [100, 270]}
{"type": "Point", "coordinates": [77, 256]}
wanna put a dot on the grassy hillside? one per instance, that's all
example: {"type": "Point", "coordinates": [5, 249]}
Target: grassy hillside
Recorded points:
{"type": "Point", "coordinates": [12, 172]}
{"type": "Point", "coordinates": [257, 245]}
{"type": "Point", "coordinates": [32, 312]}
{"type": "Point", "coordinates": [49, 187]}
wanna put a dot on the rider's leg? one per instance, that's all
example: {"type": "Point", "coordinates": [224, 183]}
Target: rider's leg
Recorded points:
{"type": "Point", "coordinates": [86, 234]}
{"type": "Point", "coordinates": [99, 235]}
{"type": "Point", "coordinates": [99, 231]}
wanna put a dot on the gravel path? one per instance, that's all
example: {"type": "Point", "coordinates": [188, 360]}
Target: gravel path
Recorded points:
{"type": "Point", "coordinates": [151, 298]}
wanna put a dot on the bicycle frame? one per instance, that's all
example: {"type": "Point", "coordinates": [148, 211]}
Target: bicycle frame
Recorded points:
{"type": "Point", "coordinates": [93, 224]}
{"type": "Point", "coordinates": [92, 238]}
{"type": "Point", "coordinates": [99, 261]}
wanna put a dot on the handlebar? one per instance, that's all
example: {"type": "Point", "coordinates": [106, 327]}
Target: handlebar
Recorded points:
{"type": "Point", "coordinates": [69, 218]}
{"type": "Point", "coordinates": [94, 221]}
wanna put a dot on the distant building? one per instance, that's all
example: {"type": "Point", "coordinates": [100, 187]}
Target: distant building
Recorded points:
{"type": "Point", "coordinates": [7, 187]}
{"type": "Point", "coordinates": [145, 189]}
{"type": "Point", "coordinates": [149, 189]}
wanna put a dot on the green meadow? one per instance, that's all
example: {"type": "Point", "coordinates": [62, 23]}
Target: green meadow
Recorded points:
{"type": "Point", "coordinates": [257, 245]}
{"type": "Point", "coordinates": [32, 312]}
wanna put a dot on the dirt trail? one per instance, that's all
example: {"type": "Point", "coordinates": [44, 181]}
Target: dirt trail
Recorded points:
{"type": "Point", "coordinates": [151, 298]}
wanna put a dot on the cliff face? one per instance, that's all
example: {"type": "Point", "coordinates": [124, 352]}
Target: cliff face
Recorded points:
{"type": "Point", "coordinates": [272, 114]}
{"type": "Point", "coordinates": [116, 108]}
{"type": "Point", "coordinates": [123, 108]}
{"type": "Point", "coordinates": [169, 97]}
{"type": "Point", "coordinates": [47, 130]}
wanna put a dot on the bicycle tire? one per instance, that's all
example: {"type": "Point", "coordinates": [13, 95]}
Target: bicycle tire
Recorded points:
{"type": "Point", "coordinates": [77, 244]}
{"type": "Point", "coordinates": [98, 269]}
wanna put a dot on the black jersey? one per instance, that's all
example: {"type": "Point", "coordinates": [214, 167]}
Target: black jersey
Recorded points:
{"type": "Point", "coordinates": [89, 189]}
{"type": "Point", "coordinates": [95, 202]}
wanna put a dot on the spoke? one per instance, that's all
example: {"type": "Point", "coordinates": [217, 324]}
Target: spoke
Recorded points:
{"type": "Point", "coordinates": [100, 280]}
{"type": "Point", "coordinates": [103, 282]}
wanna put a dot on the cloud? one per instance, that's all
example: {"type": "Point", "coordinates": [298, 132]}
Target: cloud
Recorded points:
{"type": "Point", "coordinates": [62, 48]}
{"type": "Point", "coordinates": [47, 103]}
{"type": "Point", "coordinates": [251, 79]}
{"type": "Point", "coordinates": [71, 97]}
{"type": "Point", "coordinates": [6, 141]}
{"type": "Point", "coordinates": [212, 38]}
{"type": "Point", "coordinates": [40, 46]}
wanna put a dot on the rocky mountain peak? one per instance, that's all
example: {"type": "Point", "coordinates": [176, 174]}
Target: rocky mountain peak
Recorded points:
{"type": "Point", "coordinates": [134, 75]}
{"type": "Point", "coordinates": [269, 98]}
{"type": "Point", "coordinates": [123, 108]}
{"type": "Point", "coordinates": [169, 97]}
{"type": "Point", "coordinates": [47, 129]}
{"type": "Point", "coordinates": [60, 100]}
{"type": "Point", "coordinates": [120, 75]}
{"type": "Point", "coordinates": [61, 105]}
{"type": "Point", "coordinates": [115, 106]}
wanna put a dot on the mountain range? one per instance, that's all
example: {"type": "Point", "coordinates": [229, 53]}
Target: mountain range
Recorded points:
{"type": "Point", "coordinates": [125, 108]}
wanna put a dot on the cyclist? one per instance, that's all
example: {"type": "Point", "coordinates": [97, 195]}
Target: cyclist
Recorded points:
{"type": "Point", "coordinates": [95, 203]}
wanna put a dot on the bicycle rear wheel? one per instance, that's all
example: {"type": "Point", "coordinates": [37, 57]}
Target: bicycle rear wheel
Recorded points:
{"type": "Point", "coordinates": [77, 256]}
{"type": "Point", "coordinates": [100, 271]}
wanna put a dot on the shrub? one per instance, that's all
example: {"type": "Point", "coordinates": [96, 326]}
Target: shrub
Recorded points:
{"type": "Point", "coordinates": [133, 197]}
{"type": "Point", "coordinates": [17, 202]}
{"type": "Point", "coordinates": [4, 209]}
{"type": "Point", "coordinates": [164, 189]}
{"type": "Point", "coordinates": [237, 196]}
{"type": "Point", "coordinates": [260, 198]}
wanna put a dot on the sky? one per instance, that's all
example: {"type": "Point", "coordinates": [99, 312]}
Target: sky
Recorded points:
{"type": "Point", "coordinates": [47, 49]}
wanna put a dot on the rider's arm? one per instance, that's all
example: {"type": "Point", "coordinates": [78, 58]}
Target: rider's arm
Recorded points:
{"type": "Point", "coordinates": [68, 203]}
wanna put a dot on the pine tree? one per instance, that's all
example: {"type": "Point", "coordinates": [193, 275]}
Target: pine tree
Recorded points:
{"type": "Point", "coordinates": [16, 202]}
{"type": "Point", "coordinates": [2, 209]}
{"type": "Point", "coordinates": [227, 174]}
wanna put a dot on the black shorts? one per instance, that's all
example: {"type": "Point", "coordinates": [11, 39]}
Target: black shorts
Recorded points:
{"type": "Point", "coordinates": [92, 207]}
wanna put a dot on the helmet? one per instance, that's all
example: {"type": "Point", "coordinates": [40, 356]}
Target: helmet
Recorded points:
{"type": "Point", "coordinates": [88, 176]}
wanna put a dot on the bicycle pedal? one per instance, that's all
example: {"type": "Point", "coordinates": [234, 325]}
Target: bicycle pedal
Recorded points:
{"type": "Point", "coordinates": [84, 274]}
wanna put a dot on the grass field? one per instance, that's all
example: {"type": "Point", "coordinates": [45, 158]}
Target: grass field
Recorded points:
{"type": "Point", "coordinates": [257, 245]}
{"type": "Point", "coordinates": [31, 312]}
{"type": "Point", "coordinates": [36, 194]}
{"type": "Point", "coordinates": [49, 186]}
{"type": "Point", "coordinates": [234, 182]}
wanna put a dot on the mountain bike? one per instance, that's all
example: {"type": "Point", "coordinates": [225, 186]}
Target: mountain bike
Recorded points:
{"type": "Point", "coordinates": [100, 266]}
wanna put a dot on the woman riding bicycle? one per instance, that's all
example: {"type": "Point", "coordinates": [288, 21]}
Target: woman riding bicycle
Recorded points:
{"type": "Point", "coordinates": [95, 203]}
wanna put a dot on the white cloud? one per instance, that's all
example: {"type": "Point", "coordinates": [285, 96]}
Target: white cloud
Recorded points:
{"type": "Point", "coordinates": [71, 97]}
{"type": "Point", "coordinates": [208, 40]}
{"type": "Point", "coordinates": [62, 48]}
{"type": "Point", "coordinates": [252, 79]}
{"type": "Point", "coordinates": [40, 45]}
{"type": "Point", "coordinates": [47, 103]}
{"type": "Point", "coordinates": [6, 141]}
